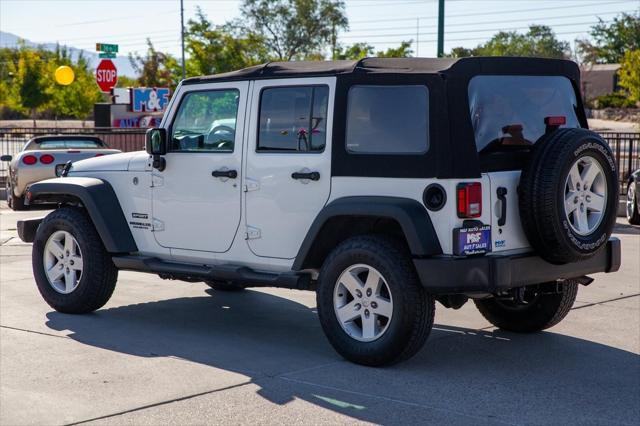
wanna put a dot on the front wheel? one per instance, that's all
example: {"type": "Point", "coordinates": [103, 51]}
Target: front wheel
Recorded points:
{"type": "Point", "coordinates": [541, 307]}
{"type": "Point", "coordinates": [370, 302]}
{"type": "Point", "coordinates": [73, 271]}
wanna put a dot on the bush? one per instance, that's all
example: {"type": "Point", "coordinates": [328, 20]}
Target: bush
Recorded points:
{"type": "Point", "coordinates": [630, 74]}
{"type": "Point", "coordinates": [612, 100]}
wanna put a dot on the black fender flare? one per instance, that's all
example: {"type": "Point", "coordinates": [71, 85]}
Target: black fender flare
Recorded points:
{"type": "Point", "coordinates": [98, 198]}
{"type": "Point", "coordinates": [412, 217]}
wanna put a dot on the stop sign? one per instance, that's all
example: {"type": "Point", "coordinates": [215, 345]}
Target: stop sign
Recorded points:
{"type": "Point", "coordinates": [106, 75]}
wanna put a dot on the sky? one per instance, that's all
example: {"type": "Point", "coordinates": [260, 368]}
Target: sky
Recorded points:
{"type": "Point", "coordinates": [381, 23]}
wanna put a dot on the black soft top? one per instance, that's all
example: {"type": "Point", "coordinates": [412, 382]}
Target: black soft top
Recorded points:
{"type": "Point", "coordinates": [460, 67]}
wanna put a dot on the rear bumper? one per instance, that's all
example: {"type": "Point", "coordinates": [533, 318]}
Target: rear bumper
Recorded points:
{"type": "Point", "coordinates": [490, 274]}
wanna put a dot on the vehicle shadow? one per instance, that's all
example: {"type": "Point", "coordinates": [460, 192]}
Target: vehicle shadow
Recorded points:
{"type": "Point", "coordinates": [626, 228]}
{"type": "Point", "coordinates": [461, 376]}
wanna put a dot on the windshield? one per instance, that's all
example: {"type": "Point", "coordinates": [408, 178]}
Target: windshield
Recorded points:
{"type": "Point", "coordinates": [508, 112]}
{"type": "Point", "coordinates": [67, 144]}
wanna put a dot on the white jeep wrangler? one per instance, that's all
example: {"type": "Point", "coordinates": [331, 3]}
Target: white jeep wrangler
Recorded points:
{"type": "Point", "coordinates": [382, 184]}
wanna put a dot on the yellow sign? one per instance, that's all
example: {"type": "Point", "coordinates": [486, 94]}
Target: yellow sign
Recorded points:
{"type": "Point", "coordinates": [64, 75]}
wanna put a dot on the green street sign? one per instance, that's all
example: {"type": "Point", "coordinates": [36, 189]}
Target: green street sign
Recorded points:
{"type": "Point", "coordinates": [107, 48]}
{"type": "Point", "coordinates": [107, 55]}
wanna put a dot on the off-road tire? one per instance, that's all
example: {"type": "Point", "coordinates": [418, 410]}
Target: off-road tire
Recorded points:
{"type": "Point", "coordinates": [413, 307]}
{"type": "Point", "coordinates": [541, 195]}
{"type": "Point", "coordinates": [224, 286]}
{"type": "Point", "coordinates": [549, 309]}
{"type": "Point", "coordinates": [633, 213]}
{"type": "Point", "coordinates": [99, 274]}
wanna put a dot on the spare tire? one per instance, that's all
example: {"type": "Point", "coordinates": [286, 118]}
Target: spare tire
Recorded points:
{"type": "Point", "coordinates": [568, 195]}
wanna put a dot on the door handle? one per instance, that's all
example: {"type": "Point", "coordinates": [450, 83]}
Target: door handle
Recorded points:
{"type": "Point", "coordinates": [502, 196]}
{"type": "Point", "coordinates": [231, 174]}
{"type": "Point", "coordinates": [306, 175]}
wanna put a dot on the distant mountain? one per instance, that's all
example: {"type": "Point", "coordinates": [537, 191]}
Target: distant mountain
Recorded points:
{"type": "Point", "coordinates": [121, 62]}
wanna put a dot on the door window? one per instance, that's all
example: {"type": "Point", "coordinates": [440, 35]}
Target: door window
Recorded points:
{"type": "Point", "coordinates": [293, 119]}
{"type": "Point", "coordinates": [206, 121]}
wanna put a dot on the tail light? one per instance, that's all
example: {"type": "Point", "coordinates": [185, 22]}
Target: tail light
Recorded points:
{"type": "Point", "coordinates": [46, 159]}
{"type": "Point", "coordinates": [99, 154]}
{"type": "Point", "coordinates": [557, 120]}
{"type": "Point", "coordinates": [29, 160]}
{"type": "Point", "coordinates": [469, 195]}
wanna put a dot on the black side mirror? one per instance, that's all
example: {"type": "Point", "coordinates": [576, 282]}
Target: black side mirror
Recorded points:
{"type": "Point", "coordinates": [6, 158]}
{"type": "Point", "coordinates": [156, 141]}
{"type": "Point", "coordinates": [156, 145]}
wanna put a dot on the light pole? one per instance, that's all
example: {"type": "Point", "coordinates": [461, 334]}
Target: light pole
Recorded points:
{"type": "Point", "coordinates": [182, 36]}
{"type": "Point", "coordinates": [440, 28]}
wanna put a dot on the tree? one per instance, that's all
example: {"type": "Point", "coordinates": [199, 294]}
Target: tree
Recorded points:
{"type": "Point", "coordinates": [354, 52]}
{"type": "Point", "coordinates": [31, 82]}
{"type": "Point", "coordinates": [155, 69]}
{"type": "Point", "coordinates": [402, 51]}
{"type": "Point", "coordinates": [630, 74]}
{"type": "Point", "coordinates": [293, 29]}
{"type": "Point", "coordinates": [539, 41]}
{"type": "Point", "coordinates": [362, 50]}
{"type": "Point", "coordinates": [77, 99]}
{"type": "Point", "coordinates": [611, 41]}
{"type": "Point", "coordinates": [220, 49]}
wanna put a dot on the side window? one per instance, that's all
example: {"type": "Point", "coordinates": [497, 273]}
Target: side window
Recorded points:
{"type": "Point", "coordinates": [206, 121]}
{"type": "Point", "coordinates": [388, 120]}
{"type": "Point", "coordinates": [293, 119]}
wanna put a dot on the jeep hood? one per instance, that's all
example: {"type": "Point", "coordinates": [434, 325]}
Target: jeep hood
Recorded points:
{"type": "Point", "coordinates": [112, 163]}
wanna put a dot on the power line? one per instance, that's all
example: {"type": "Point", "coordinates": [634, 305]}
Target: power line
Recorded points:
{"type": "Point", "coordinates": [469, 31]}
{"type": "Point", "coordinates": [502, 11]}
{"type": "Point", "coordinates": [466, 24]}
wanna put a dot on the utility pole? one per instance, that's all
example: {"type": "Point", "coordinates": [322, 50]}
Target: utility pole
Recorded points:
{"type": "Point", "coordinates": [440, 28]}
{"type": "Point", "coordinates": [182, 36]}
{"type": "Point", "coordinates": [417, 37]}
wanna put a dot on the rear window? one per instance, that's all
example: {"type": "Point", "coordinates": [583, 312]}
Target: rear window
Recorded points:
{"type": "Point", "coordinates": [69, 144]}
{"type": "Point", "coordinates": [388, 120]}
{"type": "Point", "coordinates": [508, 112]}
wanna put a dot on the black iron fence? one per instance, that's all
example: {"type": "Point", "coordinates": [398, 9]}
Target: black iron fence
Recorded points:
{"type": "Point", "coordinates": [625, 145]}
{"type": "Point", "coordinates": [626, 151]}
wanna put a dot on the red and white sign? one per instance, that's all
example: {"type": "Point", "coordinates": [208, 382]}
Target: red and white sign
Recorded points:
{"type": "Point", "coordinates": [106, 75]}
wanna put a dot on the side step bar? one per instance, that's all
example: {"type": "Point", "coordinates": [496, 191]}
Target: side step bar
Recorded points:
{"type": "Point", "coordinates": [237, 274]}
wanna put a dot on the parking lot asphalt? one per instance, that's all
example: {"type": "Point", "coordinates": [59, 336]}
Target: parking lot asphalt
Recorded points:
{"type": "Point", "coordinates": [168, 352]}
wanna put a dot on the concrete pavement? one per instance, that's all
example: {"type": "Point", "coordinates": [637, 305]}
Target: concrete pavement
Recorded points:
{"type": "Point", "coordinates": [168, 352]}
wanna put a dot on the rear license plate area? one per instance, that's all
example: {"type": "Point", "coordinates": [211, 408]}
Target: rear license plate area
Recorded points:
{"type": "Point", "coordinates": [474, 240]}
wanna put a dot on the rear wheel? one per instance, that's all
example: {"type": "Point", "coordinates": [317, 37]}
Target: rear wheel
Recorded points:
{"type": "Point", "coordinates": [14, 202]}
{"type": "Point", "coordinates": [73, 271]}
{"type": "Point", "coordinates": [371, 304]}
{"type": "Point", "coordinates": [633, 215]}
{"type": "Point", "coordinates": [541, 307]}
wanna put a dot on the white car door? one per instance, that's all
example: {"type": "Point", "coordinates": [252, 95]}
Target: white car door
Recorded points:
{"type": "Point", "coordinates": [288, 162]}
{"type": "Point", "coordinates": [197, 198]}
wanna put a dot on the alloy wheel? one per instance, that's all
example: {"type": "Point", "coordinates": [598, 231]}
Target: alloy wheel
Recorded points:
{"type": "Point", "coordinates": [63, 262]}
{"type": "Point", "coordinates": [362, 303]}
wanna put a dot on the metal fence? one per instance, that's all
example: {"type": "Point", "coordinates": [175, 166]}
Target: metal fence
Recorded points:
{"type": "Point", "coordinates": [626, 151]}
{"type": "Point", "coordinates": [625, 145]}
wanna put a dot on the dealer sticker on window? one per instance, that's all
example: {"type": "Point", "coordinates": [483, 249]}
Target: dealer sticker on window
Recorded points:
{"type": "Point", "coordinates": [476, 240]}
